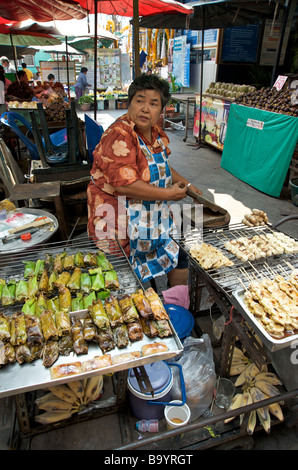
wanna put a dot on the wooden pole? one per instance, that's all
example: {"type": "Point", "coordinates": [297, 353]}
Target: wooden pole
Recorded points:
{"type": "Point", "coordinates": [136, 52]}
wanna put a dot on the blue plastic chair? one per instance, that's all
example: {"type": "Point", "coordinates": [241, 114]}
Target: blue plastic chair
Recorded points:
{"type": "Point", "coordinates": [93, 132]}
{"type": "Point", "coordinates": [10, 118]}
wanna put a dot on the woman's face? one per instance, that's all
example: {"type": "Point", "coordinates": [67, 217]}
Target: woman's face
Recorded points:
{"type": "Point", "coordinates": [145, 108]}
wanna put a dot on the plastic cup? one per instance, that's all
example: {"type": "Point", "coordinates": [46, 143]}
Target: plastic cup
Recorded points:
{"type": "Point", "coordinates": [176, 416]}
{"type": "Point", "coordinates": [223, 393]}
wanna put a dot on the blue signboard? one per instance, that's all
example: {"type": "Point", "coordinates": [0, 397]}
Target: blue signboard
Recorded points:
{"type": "Point", "coordinates": [240, 44]}
{"type": "Point", "coordinates": [181, 61]}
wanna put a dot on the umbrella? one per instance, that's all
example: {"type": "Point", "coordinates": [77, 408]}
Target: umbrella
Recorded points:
{"type": "Point", "coordinates": [7, 51]}
{"type": "Point", "coordinates": [214, 15]}
{"type": "Point", "coordinates": [19, 37]}
{"type": "Point", "coordinates": [41, 10]}
{"type": "Point", "coordinates": [58, 49]}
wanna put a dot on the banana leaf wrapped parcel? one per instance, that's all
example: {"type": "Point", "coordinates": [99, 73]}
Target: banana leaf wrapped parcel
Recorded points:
{"type": "Point", "coordinates": [10, 354]}
{"type": "Point", "coordinates": [59, 262]}
{"type": "Point", "coordinates": [18, 331]}
{"type": "Point", "coordinates": [77, 302]}
{"type": "Point", "coordinates": [39, 268]}
{"type": "Point", "coordinates": [106, 339]}
{"type": "Point", "coordinates": [50, 353]}
{"type": "Point", "coordinates": [113, 311]}
{"type": "Point", "coordinates": [43, 285]}
{"type": "Point", "coordinates": [129, 311]}
{"type": "Point", "coordinates": [103, 262]}
{"type": "Point", "coordinates": [74, 283]}
{"type": "Point", "coordinates": [79, 260]}
{"type": "Point", "coordinates": [29, 269]}
{"type": "Point", "coordinates": [90, 260]}
{"type": "Point", "coordinates": [4, 328]}
{"type": "Point", "coordinates": [63, 279]}
{"type": "Point", "coordinates": [121, 336]}
{"type": "Point", "coordinates": [69, 262]}
{"type": "Point", "coordinates": [98, 315]}
{"type": "Point", "coordinates": [48, 325]}
{"type": "Point", "coordinates": [30, 306]}
{"type": "Point", "coordinates": [85, 283]}
{"type": "Point", "coordinates": [23, 353]}
{"type": "Point", "coordinates": [65, 345]}
{"type": "Point", "coordinates": [90, 329]}
{"type": "Point", "coordinates": [53, 303]}
{"type": "Point", "coordinates": [41, 305]}
{"type": "Point", "coordinates": [34, 331]}
{"type": "Point", "coordinates": [80, 345]}
{"type": "Point", "coordinates": [49, 262]}
{"type": "Point", "coordinates": [88, 299]}
{"type": "Point", "coordinates": [135, 331]}
{"type": "Point", "coordinates": [97, 279]}
{"type": "Point", "coordinates": [33, 287]}
{"type": "Point", "coordinates": [65, 299]}
{"type": "Point", "coordinates": [2, 284]}
{"type": "Point", "coordinates": [63, 324]}
{"type": "Point", "coordinates": [52, 279]}
{"type": "Point", "coordinates": [159, 312]}
{"type": "Point", "coordinates": [163, 328]}
{"type": "Point", "coordinates": [111, 280]}
{"type": "Point", "coordinates": [21, 294]}
{"type": "Point", "coordinates": [142, 304]}
{"type": "Point", "coordinates": [8, 293]}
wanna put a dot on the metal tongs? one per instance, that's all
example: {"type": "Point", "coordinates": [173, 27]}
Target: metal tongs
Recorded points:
{"type": "Point", "coordinates": [16, 235]}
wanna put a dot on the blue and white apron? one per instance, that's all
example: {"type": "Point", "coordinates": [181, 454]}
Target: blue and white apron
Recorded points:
{"type": "Point", "coordinates": [152, 251]}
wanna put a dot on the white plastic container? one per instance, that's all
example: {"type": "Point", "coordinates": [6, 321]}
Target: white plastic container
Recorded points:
{"type": "Point", "coordinates": [176, 416]}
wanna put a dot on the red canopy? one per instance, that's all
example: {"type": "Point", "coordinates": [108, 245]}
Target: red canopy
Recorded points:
{"type": "Point", "coordinates": [41, 10]}
{"type": "Point", "coordinates": [125, 7]}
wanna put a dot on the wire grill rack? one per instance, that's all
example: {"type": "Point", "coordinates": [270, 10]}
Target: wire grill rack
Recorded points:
{"type": "Point", "coordinates": [229, 279]}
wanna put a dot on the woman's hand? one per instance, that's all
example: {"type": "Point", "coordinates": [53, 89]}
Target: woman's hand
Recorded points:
{"type": "Point", "coordinates": [177, 191]}
{"type": "Point", "coordinates": [195, 189]}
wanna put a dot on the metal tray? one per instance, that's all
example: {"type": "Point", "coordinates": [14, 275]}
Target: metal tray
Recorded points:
{"type": "Point", "coordinates": [41, 236]}
{"type": "Point", "coordinates": [271, 343]}
{"type": "Point", "coordinates": [16, 378]}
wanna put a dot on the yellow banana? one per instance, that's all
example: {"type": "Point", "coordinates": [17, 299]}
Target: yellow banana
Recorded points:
{"type": "Point", "coordinates": [55, 404]}
{"type": "Point", "coordinates": [269, 377]}
{"type": "Point", "coordinates": [235, 403]}
{"type": "Point", "coordinates": [276, 410]}
{"type": "Point", "coordinates": [64, 392]}
{"type": "Point", "coordinates": [39, 401]}
{"type": "Point", "coordinates": [266, 388]}
{"type": "Point", "coordinates": [78, 388]}
{"type": "Point", "coordinates": [247, 375]}
{"type": "Point", "coordinates": [238, 354]}
{"type": "Point", "coordinates": [252, 421]}
{"type": "Point", "coordinates": [246, 400]}
{"type": "Point", "coordinates": [264, 417]}
{"type": "Point", "coordinates": [49, 417]}
{"type": "Point", "coordinates": [93, 388]}
{"type": "Point", "coordinates": [238, 369]}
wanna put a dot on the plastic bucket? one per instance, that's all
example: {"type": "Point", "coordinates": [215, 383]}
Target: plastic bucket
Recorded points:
{"type": "Point", "coordinates": [294, 191]}
{"type": "Point", "coordinates": [142, 404]}
{"type": "Point", "coordinates": [176, 416]}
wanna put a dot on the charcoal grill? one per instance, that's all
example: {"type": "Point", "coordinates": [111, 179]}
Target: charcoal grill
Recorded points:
{"type": "Point", "coordinates": [223, 282]}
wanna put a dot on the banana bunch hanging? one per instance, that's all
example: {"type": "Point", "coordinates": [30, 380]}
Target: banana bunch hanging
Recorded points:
{"type": "Point", "coordinates": [63, 401]}
{"type": "Point", "coordinates": [256, 385]}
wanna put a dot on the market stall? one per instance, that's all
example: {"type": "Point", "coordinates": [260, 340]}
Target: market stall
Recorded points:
{"type": "Point", "coordinates": [226, 277]}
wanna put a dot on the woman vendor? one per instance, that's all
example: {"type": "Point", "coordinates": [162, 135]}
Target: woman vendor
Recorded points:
{"type": "Point", "coordinates": [132, 184]}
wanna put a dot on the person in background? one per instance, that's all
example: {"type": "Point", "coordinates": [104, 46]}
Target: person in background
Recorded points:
{"type": "Point", "coordinates": [20, 88]}
{"type": "Point", "coordinates": [28, 72]}
{"type": "Point", "coordinates": [51, 79]}
{"type": "Point", "coordinates": [3, 106]}
{"type": "Point", "coordinates": [133, 186]}
{"type": "Point", "coordinates": [81, 84]}
{"type": "Point", "coordinates": [7, 82]}
{"type": "Point", "coordinates": [8, 68]}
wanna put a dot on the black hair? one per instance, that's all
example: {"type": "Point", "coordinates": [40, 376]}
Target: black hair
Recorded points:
{"type": "Point", "coordinates": [21, 73]}
{"type": "Point", "coordinates": [150, 82]}
{"type": "Point", "coordinates": [24, 65]}
{"type": "Point", "coordinates": [51, 77]}
{"type": "Point", "coordinates": [2, 74]}
{"type": "Point", "coordinates": [84, 69]}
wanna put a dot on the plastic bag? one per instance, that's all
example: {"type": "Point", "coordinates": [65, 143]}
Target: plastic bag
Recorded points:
{"type": "Point", "coordinates": [199, 375]}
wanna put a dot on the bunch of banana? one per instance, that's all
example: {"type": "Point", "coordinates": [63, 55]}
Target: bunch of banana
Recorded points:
{"type": "Point", "coordinates": [63, 401]}
{"type": "Point", "coordinates": [257, 385]}
{"type": "Point", "coordinates": [239, 362]}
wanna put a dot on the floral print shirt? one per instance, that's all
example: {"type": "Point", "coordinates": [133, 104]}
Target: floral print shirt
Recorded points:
{"type": "Point", "coordinates": [118, 160]}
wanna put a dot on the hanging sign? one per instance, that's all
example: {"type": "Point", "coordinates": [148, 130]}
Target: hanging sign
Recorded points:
{"type": "Point", "coordinates": [181, 61]}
